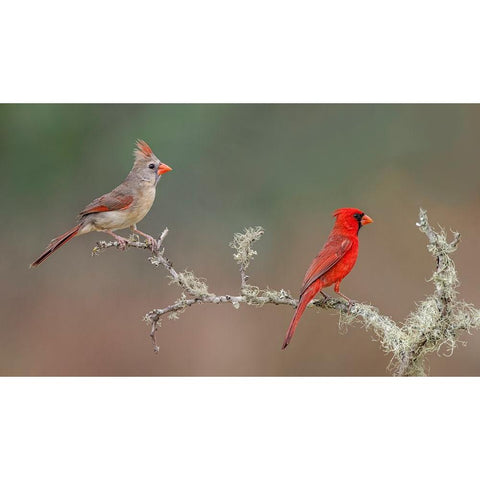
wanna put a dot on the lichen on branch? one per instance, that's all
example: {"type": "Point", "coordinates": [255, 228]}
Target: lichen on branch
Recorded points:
{"type": "Point", "coordinates": [244, 253]}
{"type": "Point", "coordinates": [440, 317]}
{"type": "Point", "coordinates": [437, 320]}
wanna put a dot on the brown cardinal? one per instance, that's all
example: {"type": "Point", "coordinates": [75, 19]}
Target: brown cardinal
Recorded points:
{"type": "Point", "coordinates": [123, 207]}
{"type": "Point", "coordinates": [333, 263]}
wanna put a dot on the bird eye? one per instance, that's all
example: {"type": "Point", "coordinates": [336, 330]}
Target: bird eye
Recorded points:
{"type": "Point", "coordinates": [152, 166]}
{"type": "Point", "coordinates": [358, 216]}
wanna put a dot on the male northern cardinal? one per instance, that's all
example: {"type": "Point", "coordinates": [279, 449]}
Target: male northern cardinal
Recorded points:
{"type": "Point", "coordinates": [333, 263]}
{"type": "Point", "coordinates": [123, 207]}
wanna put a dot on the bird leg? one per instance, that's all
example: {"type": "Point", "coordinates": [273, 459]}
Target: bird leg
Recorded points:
{"type": "Point", "coordinates": [122, 241]}
{"type": "Point", "coordinates": [338, 292]}
{"type": "Point", "coordinates": [149, 238]}
{"type": "Point", "coordinates": [325, 296]}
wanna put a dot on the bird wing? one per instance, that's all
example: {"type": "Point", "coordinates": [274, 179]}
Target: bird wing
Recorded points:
{"type": "Point", "coordinates": [108, 202]}
{"type": "Point", "coordinates": [332, 252]}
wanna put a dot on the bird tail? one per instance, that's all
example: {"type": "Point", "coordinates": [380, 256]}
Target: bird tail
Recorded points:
{"type": "Point", "coordinates": [309, 293]}
{"type": "Point", "coordinates": [55, 244]}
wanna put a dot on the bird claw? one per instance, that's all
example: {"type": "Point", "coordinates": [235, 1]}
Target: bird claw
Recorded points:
{"type": "Point", "coordinates": [151, 242]}
{"type": "Point", "coordinates": [122, 244]}
{"type": "Point", "coordinates": [351, 303]}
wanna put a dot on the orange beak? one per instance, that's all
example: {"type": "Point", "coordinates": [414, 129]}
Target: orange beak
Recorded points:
{"type": "Point", "coordinates": [163, 168]}
{"type": "Point", "coordinates": [366, 219]}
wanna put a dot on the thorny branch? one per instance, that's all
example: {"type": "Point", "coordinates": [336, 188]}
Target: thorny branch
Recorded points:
{"type": "Point", "coordinates": [437, 321]}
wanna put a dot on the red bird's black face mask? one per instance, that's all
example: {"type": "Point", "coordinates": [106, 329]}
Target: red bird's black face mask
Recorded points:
{"type": "Point", "coordinates": [350, 219]}
{"type": "Point", "coordinates": [362, 219]}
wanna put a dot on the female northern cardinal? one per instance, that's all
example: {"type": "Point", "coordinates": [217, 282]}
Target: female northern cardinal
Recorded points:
{"type": "Point", "coordinates": [333, 263]}
{"type": "Point", "coordinates": [123, 207]}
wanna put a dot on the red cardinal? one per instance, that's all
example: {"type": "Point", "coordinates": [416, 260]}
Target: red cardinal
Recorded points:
{"type": "Point", "coordinates": [123, 207]}
{"type": "Point", "coordinates": [333, 263]}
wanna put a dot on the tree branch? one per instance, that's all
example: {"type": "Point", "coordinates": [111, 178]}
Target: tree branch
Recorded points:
{"type": "Point", "coordinates": [440, 317]}
{"type": "Point", "coordinates": [437, 320]}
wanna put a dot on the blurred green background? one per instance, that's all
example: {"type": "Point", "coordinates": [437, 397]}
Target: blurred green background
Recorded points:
{"type": "Point", "coordinates": [285, 167]}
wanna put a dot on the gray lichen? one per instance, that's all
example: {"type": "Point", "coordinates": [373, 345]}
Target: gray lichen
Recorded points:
{"type": "Point", "coordinates": [195, 286]}
{"type": "Point", "coordinates": [242, 244]}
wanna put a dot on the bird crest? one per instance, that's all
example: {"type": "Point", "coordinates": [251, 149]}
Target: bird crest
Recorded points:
{"type": "Point", "coordinates": [142, 149]}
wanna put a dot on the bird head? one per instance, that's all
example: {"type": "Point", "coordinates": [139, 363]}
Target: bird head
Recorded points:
{"type": "Point", "coordinates": [350, 219]}
{"type": "Point", "coordinates": [147, 165]}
